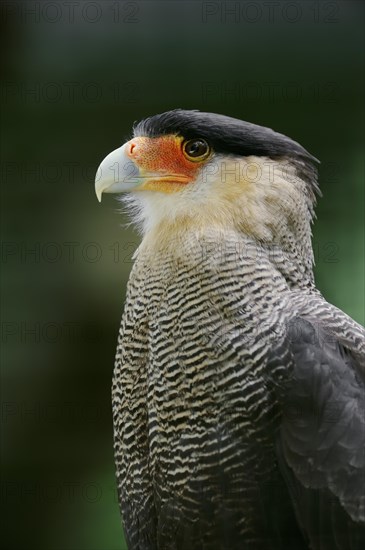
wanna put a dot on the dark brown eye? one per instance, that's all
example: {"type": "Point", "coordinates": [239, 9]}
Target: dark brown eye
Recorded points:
{"type": "Point", "coordinates": [196, 149]}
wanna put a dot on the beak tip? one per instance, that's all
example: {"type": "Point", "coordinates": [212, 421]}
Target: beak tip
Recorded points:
{"type": "Point", "coordinates": [98, 194]}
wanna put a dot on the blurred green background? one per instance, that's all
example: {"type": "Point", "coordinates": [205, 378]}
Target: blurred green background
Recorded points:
{"type": "Point", "coordinates": [76, 76]}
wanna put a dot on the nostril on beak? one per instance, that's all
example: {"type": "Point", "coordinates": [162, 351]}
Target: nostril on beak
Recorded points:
{"type": "Point", "coordinates": [132, 147]}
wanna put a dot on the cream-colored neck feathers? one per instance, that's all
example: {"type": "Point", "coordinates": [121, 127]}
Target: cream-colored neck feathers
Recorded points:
{"type": "Point", "coordinates": [262, 199]}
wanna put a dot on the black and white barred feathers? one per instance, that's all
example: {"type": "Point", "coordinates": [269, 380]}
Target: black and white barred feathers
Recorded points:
{"type": "Point", "coordinates": [238, 391]}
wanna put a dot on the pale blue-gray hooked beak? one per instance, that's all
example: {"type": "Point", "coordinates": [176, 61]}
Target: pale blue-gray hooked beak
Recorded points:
{"type": "Point", "coordinates": [116, 174]}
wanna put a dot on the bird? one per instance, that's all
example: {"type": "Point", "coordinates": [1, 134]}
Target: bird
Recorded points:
{"type": "Point", "coordinates": [238, 391]}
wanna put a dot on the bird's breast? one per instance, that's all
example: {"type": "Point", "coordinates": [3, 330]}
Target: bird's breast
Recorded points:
{"type": "Point", "coordinates": [190, 385]}
{"type": "Point", "coordinates": [211, 316]}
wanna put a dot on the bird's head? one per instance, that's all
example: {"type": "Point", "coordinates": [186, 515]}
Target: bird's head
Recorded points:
{"type": "Point", "coordinates": [194, 168]}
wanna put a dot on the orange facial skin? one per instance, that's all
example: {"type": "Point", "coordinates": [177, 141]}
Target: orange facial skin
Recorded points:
{"type": "Point", "coordinates": [162, 163]}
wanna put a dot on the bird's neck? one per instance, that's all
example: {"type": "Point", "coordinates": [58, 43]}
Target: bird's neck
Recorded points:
{"type": "Point", "coordinates": [188, 243]}
{"type": "Point", "coordinates": [271, 214]}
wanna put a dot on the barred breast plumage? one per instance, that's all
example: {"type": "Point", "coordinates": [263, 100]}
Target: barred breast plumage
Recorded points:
{"type": "Point", "coordinates": [195, 403]}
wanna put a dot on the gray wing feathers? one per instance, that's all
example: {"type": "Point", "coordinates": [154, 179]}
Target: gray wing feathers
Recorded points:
{"type": "Point", "coordinates": [321, 447]}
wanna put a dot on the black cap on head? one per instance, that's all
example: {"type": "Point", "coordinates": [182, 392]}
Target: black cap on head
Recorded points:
{"type": "Point", "coordinates": [229, 135]}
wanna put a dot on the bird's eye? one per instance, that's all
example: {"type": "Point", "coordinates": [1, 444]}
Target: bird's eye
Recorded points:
{"type": "Point", "coordinates": [196, 149]}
